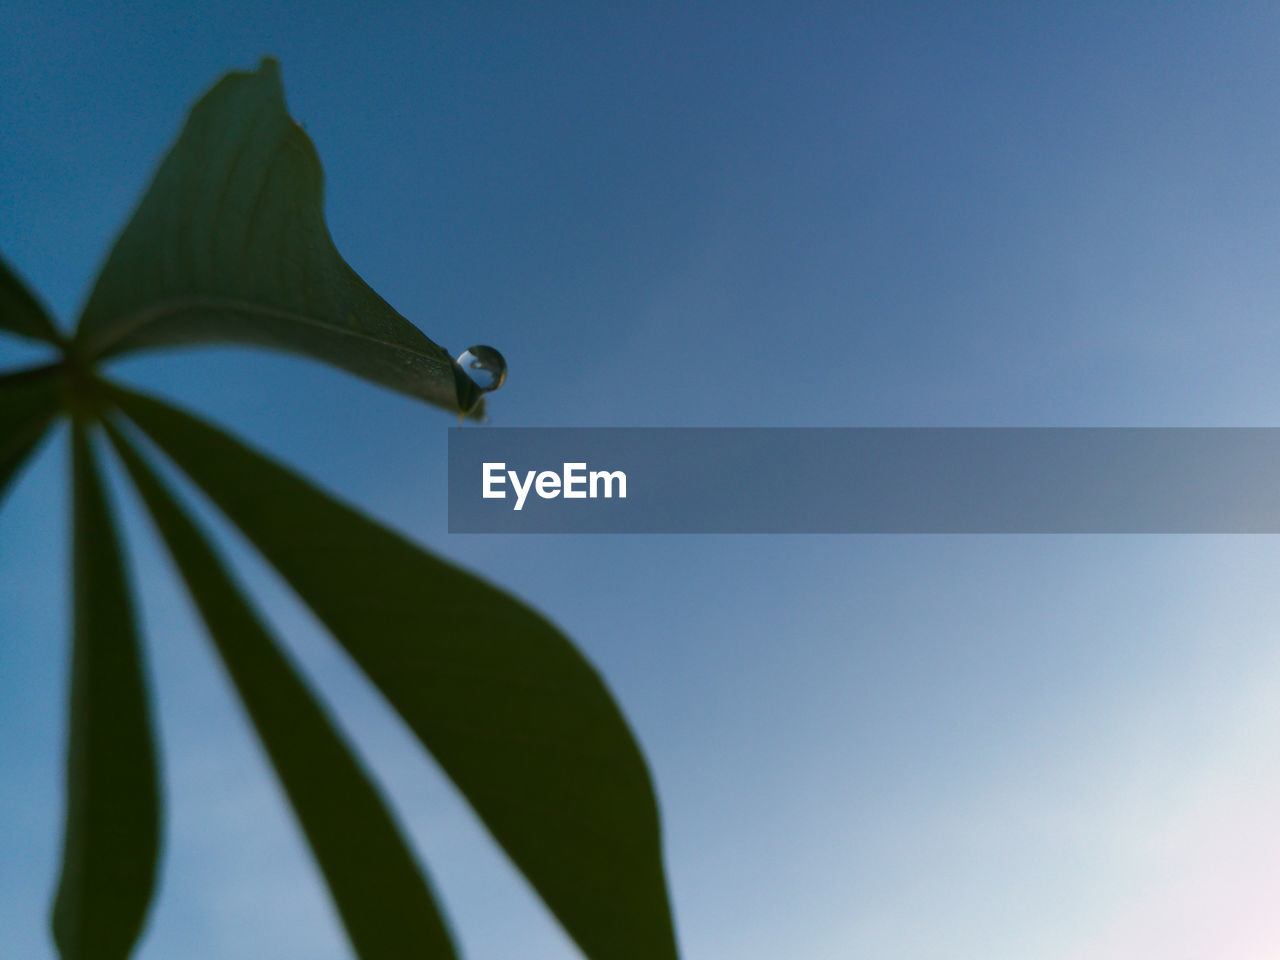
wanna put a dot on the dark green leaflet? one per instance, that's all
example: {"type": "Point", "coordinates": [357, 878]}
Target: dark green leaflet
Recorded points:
{"type": "Point", "coordinates": [112, 837]}
{"type": "Point", "coordinates": [229, 244]}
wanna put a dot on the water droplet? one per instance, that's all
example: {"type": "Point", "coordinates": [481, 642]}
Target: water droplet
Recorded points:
{"type": "Point", "coordinates": [485, 366]}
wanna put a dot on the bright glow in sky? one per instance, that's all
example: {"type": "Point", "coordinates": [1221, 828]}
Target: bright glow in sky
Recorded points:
{"type": "Point", "coordinates": [950, 747]}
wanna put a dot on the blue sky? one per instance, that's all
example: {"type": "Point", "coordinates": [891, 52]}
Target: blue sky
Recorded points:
{"type": "Point", "coordinates": [726, 215]}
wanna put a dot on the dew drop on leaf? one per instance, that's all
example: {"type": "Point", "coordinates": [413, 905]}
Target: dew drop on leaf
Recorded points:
{"type": "Point", "coordinates": [485, 366]}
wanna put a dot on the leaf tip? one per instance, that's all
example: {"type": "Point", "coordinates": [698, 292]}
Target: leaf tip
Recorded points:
{"type": "Point", "coordinates": [269, 67]}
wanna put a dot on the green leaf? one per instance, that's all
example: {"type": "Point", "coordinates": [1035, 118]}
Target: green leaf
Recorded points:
{"type": "Point", "coordinates": [513, 713]}
{"type": "Point", "coordinates": [20, 312]}
{"type": "Point", "coordinates": [229, 245]}
{"type": "Point", "coordinates": [380, 892]}
{"type": "Point", "coordinates": [29, 400]}
{"type": "Point", "coordinates": [112, 835]}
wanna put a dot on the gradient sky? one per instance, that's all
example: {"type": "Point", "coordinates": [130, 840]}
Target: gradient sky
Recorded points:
{"type": "Point", "coordinates": [735, 215]}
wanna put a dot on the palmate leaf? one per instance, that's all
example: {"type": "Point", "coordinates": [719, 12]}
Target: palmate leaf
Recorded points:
{"type": "Point", "coordinates": [20, 312]}
{"type": "Point", "coordinates": [29, 400]}
{"type": "Point", "coordinates": [515, 716]}
{"type": "Point", "coordinates": [112, 837]}
{"type": "Point", "coordinates": [380, 892]}
{"type": "Point", "coordinates": [229, 245]}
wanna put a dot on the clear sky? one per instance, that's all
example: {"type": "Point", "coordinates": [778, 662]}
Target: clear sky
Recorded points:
{"type": "Point", "coordinates": [734, 215]}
